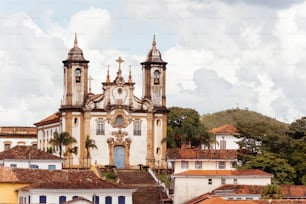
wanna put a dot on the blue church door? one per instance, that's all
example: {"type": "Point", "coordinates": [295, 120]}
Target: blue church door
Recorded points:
{"type": "Point", "coordinates": [119, 157]}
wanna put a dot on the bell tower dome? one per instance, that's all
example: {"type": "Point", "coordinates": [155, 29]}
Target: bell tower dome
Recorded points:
{"type": "Point", "coordinates": [75, 77]}
{"type": "Point", "coordinates": [154, 77]}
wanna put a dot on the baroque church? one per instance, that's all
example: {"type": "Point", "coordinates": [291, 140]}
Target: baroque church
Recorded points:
{"type": "Point", "coordinates": [127, 130]}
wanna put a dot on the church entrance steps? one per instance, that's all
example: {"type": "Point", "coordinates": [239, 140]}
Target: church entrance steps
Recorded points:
{"type": "Point", "coordinates": [135, 177]}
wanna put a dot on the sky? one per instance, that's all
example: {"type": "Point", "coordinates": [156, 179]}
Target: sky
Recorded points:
{"type": "Point", "coordinates": [221, 54]}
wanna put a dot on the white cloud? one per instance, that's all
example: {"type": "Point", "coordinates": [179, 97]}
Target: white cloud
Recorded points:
{"type": "Point", "coordinates": [221, 55]}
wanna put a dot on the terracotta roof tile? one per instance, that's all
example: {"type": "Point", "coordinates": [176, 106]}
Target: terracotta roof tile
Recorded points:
{"type": "Point", "coordinates": [218, 200]}
{"type": "Point", "coordinates": [55, 179]}
{"type": "Point", "coordinates": [228, 128]}
{"type": "Point", "coordinates": [55, 117]}
{"type": "Point", "coordinates": [240, 189]}
{"type": "Point", "coordinates": [291, 191]}
{"type": "Point", "coordinates": [201, 154]}
{"type": "Point", "coordinates": [246, 172]}
{"type": "Point", "coordinates": [27, 152]}
{"type": "Point", "coordinates": [18, 131]}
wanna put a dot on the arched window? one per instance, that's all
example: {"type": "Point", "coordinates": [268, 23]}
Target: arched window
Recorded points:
{"type": "Point", "coordinates": [96, 199]}
{"type": "Point", "coordinates": [77, 74]}
{"type": "Point", "coordinates": [108, 200]}
{"type": "Point", "coordinates": [42, 199]}
{"type": "Point", "coordinates": [62, 199]}
{"type": "Point", "coordinates": [121, 200]}
{"type": "Point", "coordinates": [156, 77]}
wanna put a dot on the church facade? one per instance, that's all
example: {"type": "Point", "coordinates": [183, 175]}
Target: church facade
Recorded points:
{"type": "Point", "coordinates": [128, 130]}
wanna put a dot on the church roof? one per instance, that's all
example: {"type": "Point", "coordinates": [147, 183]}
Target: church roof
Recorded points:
{"type": "Point", "coordinates": [227, 128]}
{"type": "Point", "coordinates": [179, 154]}
{"type": "Point", "coordinates": [75, 53]}
{"type": "Point", "coordinates": [55, 117]}
{"type": "Point", "coordinates": [27, 152]}
{"type": "Point", "coordinates": [154, 54]}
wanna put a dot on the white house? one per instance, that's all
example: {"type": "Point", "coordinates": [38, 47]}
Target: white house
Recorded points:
{"type": "Point", "coordinates": [60, 186]}
{"type": "Point", "coordinates": [197, 159]}
{"type": "Point", "coordinates": [14, 135]}
{"type": "Point", "coordinates": [226, 136]}
{"type": "Point", "coordinates": [193, 183]}
{"type": "Point", "coordinates": [29, 157]}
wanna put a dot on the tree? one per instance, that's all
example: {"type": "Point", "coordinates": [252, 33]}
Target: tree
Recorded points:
{"type": "Point", "coordinates": [283, 172]}
{"type": "Point", "coordinates": [297, 129]}
{"type": "Point", "coordinates": [271, 191]}
{"type": "Point", "coordinates": [185, 127]}
{"type": "Point", "coordinates": [89, 144]}
{"type": "Point", "coordinates": [62, 139]}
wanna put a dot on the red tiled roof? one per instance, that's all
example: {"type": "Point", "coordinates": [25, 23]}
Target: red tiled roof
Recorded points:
{"type": "Point", "coordinates": [18, 131]}
{"type": "Point", "coordinates": [201, 154]}
{"type": "Point", "coordinates": [55, 117]}
{"type": "Point", "coordinates": [240, 189]}
{"type": "Point", "coordinates": [27, 152]}
{"type": "Point", "coordinates": [218, 200]}
{"type": "Point", "coordinates": [228, 128]}
{"type": "Point", "coordinates": [55, 179]}
{"type": "Point", "coordinates": [293, 191]}
{"type": "Point", "coordinates": [244, 172]}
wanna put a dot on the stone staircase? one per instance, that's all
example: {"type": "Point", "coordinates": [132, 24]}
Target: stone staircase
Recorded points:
{"type": "Point", "coordinates": [148, 190]}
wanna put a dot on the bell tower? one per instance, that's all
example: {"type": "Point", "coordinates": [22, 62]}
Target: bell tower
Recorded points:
{"type": "Point", "coordinates": [154, 77]}
{"type": "Point", "coordinates": [75, 77]}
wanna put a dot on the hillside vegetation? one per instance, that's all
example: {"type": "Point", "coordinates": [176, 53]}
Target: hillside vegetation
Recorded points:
{"type": "Point", "coordinates": [239, 117]}
{"type": "Point", "coordinates": [267, 144]}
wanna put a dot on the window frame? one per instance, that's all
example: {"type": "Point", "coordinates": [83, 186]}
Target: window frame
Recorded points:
{"type": "Point", "coordinates": [137, 128]}
{"type": "Point", "coordinates": [210, 181]}
{"type": "Point", "coordinates": [198, 164]}
{"type": "Point", "coordinates": [221, 164]}
{"type": "Point", "coordinates": [184, 164]}
{"type": "Point", "coordinates": [100, 127]}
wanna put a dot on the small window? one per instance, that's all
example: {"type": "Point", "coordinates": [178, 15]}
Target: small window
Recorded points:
{"type": "Point", "coordinates": [34, 145]}
{"type": "Point", "coordinates": [249, 198]}
{"type": "Point", "coordinates": [235, 181]}
{"type": "Point", "coordinates": [210, 181]}
{"type": "Point", "coordinates": [51, 167]}
{"type": "Point", "coordinates": [184, 165]}
{"type": "Point", "coordinates": [156, 77]}
{"type": "Point", "coordinates": [95, 199]}
{"type": "Point", "coordinates": [221, 164]}
{"type": "Point", "coordinates": [121, 200]}
{"type": "Point", "coordinates": [198, 164]}
{"type": "Point", "coordinates": [34, 166]}
{"type": "Point", "coordinates": [108, 200]}
{"type": "Point", "coordinates": [137, 128]}
{"type": "Point", "coordinates": [42, 199]}
{"type": "Point", "coordinates": [222, 144]}
{"type": "Point", "coordinates": [100, 127]}
{"type": "Point", "coordinates": [75, 120]}
{"type": "Point", "coordinates": [13, 165]}
{"type": "Point", "coordinates": [119, 120]}
{"type": "Point", "coordinates": [7, 146]}
{"type": "Point", "coordinates": [78, 75]}
{"type": "Point", "coordinates": [62, 199]}
{"type": "Point", "coordinates": [157, 150]}
{"type": "Point", "coordinates": [223, 181]}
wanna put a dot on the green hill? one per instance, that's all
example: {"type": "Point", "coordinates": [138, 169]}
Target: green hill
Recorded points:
{"type": "Point", "coordinates": [246, 121]}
